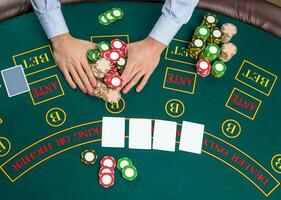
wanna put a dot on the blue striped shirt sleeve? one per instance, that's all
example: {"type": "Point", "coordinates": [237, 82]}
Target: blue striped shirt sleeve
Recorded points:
{"type": "Point", "coordinates": [175, 13]}
{"type": "Point", "coordinates": [50, 16]}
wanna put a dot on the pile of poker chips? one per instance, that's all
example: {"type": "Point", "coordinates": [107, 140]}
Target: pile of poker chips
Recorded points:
{"type": "Point", "coordinates": [210, 50]}
{"type": "Point", "coordinates": [88, 157]}
{"type": "Point", "coordinates": [108, 62]}
{"type": "Point", "coordinates": [106, 171]}
{"type": "Point", "coordinates": [110, 16]}
{"type": "Point", "coordinates": [126, 167]}
{"type": "Point", "coordinates": [228, 50]}
{"type": "Point", "coordinates": [228, 30]}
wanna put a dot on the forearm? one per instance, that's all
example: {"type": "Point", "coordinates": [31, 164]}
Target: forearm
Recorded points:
{"type": "Point", "coordinates": [50, 16]}
{"type": "Point", "coordinates": [175, 13]}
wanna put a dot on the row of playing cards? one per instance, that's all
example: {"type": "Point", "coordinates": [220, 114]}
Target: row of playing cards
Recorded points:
{"type": "Point", "coordinates": [140, 134]}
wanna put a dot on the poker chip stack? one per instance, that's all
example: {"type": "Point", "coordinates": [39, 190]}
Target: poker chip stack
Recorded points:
{"type": "Point", "coordinates": [205, 45]}
{"type": "Point", "coordinates": [126, 167]}
{"type": "Point", "coordinates": [203, 68]}
{"type": "Point", "coordinates": [211, 52]}
{"type": "Point", "coordinates": [228, 50]}
{"type": "Point", "coordinates": [210, 20]}
{"type": "Point", "coordinates": [218, 69]}
{"type": "Point", "coordinates": [108, 62]}
{"type": "Point", "coordinates": [228, 30]}
{"type": "Point", "coordinates": [106, 171]}
{"type": "Point", "coordinates": [216, 36]}
{"type": "Point", "coordinates": [110, 16]}
{"type": "Point", "coordinates": [195, 47]}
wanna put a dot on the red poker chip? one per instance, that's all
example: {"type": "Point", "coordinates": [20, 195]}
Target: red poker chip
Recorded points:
{"type": "Point", "coordinates": [106, 180]}
{"type": "Point", "coordinates": [115, 82]}
{"type": "Point", "coordinates": [102, 54]}
{"type": "Point", "coordinates": [117, 44]}
{"type": "Point", "coordinates": [123, 53]}
{"type": "Point", "coordinates": [124, 47]}
{"type": "Point", "coordinates": [104, 170]}
{"type": "Point", "coordinates": [108, 161]}
{"type": "Point", "coordinates": [204, 74]}
{"type": "Point", "coordinates": [113, 68]}
{"type": "Point", "coordinates": [108, 78]}
{"type": "Point", "coordinates": [113, 56]}
{"type": "Point", "coordinates": [203, 66]}
{"type": "Point", "coordinates": [107, 53]}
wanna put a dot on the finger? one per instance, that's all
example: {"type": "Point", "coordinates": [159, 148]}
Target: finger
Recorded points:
{"type": "Point", "coordinates": [84, 78]}
{"type": "Point", "coordinates": [77, 80]}
{"type": "Point", "coordinates": [94, 45]}
{"type": "Point", "coordinates": [127, 73]}
{"type": "Point", "coordinates": [143, 82]}
{"type": "Point", "coordinates": [68, 78]}
{"type": "Point", "coordinates": [132, 82]}
{"type": "Point", "coordinates": [89, 73]}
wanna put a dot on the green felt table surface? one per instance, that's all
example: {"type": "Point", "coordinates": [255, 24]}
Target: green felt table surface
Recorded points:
{"type": "Point", "coordinates": [36, 165]}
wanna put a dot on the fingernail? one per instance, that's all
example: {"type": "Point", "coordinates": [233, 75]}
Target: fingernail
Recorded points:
{"type": "Point", "coordinates": [124, 91]}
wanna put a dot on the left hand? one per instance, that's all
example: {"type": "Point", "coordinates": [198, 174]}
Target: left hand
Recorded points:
{"type": "Point", "coordinates": [143, 58]}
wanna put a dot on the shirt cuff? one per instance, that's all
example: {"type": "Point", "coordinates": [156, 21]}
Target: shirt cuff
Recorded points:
{"type": "Point", "coordinates": [53, 23]}
{"type": "Point", "coordinates": [164, 30]}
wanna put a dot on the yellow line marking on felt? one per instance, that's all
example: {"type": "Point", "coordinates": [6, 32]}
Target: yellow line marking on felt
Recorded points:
{"type": "Point", "coordinates": [93, 141]}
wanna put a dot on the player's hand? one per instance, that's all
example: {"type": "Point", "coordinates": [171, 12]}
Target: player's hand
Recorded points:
{"type": "Point", "coordinates": [70, 55]}
{"type": "Point", "coordinates": [143, 58]}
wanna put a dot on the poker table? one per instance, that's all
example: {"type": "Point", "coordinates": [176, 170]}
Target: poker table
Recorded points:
{"type": "Point", "coordinates": [44, 131]}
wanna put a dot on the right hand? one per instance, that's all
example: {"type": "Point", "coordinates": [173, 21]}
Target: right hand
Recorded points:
{"type": "Point", "coordinates": [70, 55]}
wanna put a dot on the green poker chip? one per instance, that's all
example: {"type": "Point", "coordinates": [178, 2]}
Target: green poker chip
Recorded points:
{"type": "Point", "coordinates": [103, 20]}
{"type": "Point", "coordinates": [93, 55]}
{"type": "Point", "coordinates": [202, 32]}
{"type": "Point", "coordinates": [213, 49]}
{"type": "Point", "coordinates": [117, 13]}
{"type": "Point", "coordinates": [109, 17]}
{"type": "Point", "coordinates": [218, 69]}
{"type": "Point", "coordinates": [129, 173]}
{"type": "Point", "coordinates": [104, 46]}
{"type": "Point", "coordinates": [123, 162]}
